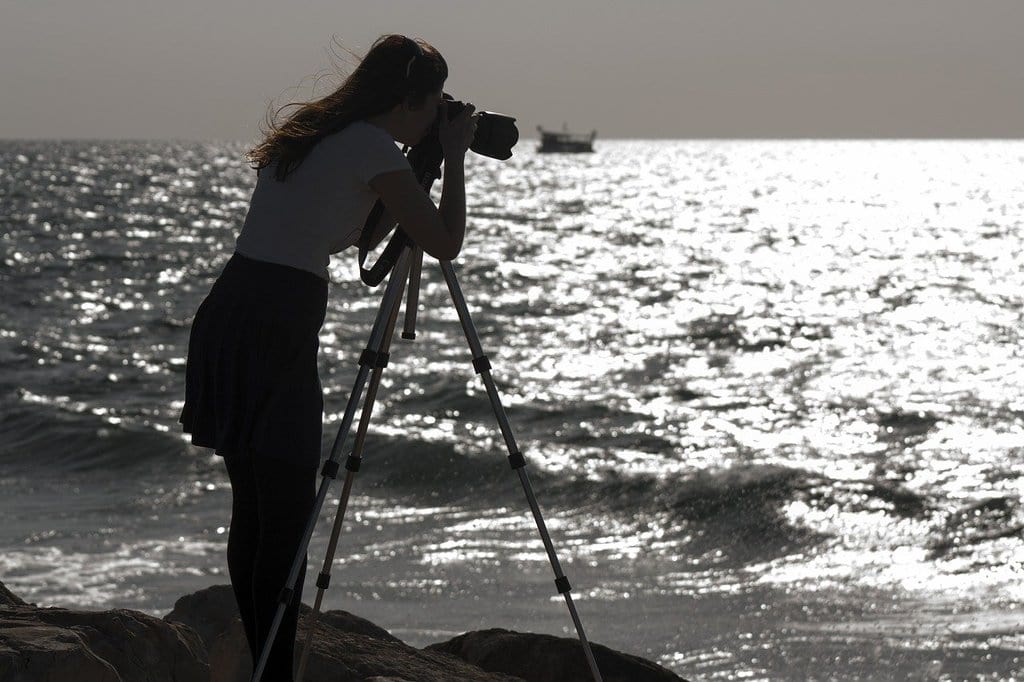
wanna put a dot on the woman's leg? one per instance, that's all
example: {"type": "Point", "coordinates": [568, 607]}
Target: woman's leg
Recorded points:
{"type": "Point", "coordinates": [243, 542]}
{"type": "Point", "coordinates": [287, 494]}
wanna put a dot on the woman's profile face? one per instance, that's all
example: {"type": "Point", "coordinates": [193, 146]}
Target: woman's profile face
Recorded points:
{"type": "Point", "coordinates": [422, 117]}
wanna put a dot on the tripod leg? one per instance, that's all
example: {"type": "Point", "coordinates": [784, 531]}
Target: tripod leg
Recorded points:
{"type": "Point", "coordinates": [483, 367]}
{"type": "Point", "coordinates": [369, 358]}
{"type": "Point", "coordinates": [412, 305]}
{"type": "Point", "coordinates": [323, 580]}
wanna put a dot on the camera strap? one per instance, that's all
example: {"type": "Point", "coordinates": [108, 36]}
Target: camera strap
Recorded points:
{"type": "Point", "coordinates": [376, 274]}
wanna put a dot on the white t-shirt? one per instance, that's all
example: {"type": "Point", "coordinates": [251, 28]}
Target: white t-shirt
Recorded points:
{"type": "Point", "coordinates": [323, 204]}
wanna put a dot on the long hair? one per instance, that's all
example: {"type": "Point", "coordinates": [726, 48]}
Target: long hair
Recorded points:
{"type": "Point", "coordinates": [396, 68]}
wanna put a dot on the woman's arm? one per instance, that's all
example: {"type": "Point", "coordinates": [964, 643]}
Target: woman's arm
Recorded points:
{"type": "Point", "coordinates": [438, 230]}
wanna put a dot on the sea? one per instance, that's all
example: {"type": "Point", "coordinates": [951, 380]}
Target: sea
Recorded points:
{"type": "Point", "coordinates": [769, 393]}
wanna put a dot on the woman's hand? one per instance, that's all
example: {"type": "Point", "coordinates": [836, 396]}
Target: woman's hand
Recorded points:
{"type": "Point", "coordinates": [456, 135]}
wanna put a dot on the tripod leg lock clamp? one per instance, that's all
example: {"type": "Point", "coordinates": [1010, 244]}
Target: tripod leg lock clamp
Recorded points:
{"type": "Point", "coordinates": [330, 469]}
{"type": "Point", "coordinates": [481, 364]}
{"type": "Point", "coordinates": [517, 460]}
{"type": "Point", "coordinates": [563, 585]}
{"type": "Point", "coordinates": [352, 463]}
{"type": "Point", "coordinates": [285, 597]}
{"type": "Point", "coordinates": [373, 359]}
{"type": "Point", "coordinates": [323, 581]}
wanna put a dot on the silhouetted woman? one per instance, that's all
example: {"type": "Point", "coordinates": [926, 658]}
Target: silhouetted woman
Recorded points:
{"type": "Point", "coordinates": [252, 390]}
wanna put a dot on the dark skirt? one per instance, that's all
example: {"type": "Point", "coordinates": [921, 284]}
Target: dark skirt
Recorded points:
{"type": "Point", "coordinates": [252, 387]}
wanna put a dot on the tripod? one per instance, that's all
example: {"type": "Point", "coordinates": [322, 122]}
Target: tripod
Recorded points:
{"type": "Point", "coordinates": [406, 265]}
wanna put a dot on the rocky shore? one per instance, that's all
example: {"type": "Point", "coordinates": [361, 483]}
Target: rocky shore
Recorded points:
{"type": "Point", "coordinates": [201, 639]}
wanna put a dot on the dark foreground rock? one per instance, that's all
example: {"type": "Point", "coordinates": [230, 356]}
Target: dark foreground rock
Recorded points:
{"type": "Point", "coordinates": [544, 658]}
{"type": "Point", "coordinates": [58, 645]}
{"type": "Point", "coordinates": [345, 648]}
{"type": "Point", "coordinates": [202, 639]}
{"type": "Point", "coordinates": [8, 598]}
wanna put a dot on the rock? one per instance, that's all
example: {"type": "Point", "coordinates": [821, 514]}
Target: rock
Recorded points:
{"type": "Point", "coordinates": [34, 652]}
{"type": "Point", "coordinates": [208, 611]}
{"type": "Point", "coordinates": [347, 622]}
{"type": "Point", "coordinates": [545, 658]}
{"type": "Point", "coordinates": [348, 657]}
{"type": "Point", "coordinates": [212, 610]}
{"type": "Point", "coordinates": [56, 645]}
{"type": "Point", "coordinates": [345, 647]}
{"type": "Point", "coordinates": [8, 598]}
{"type": "Point", "coordinates": [202, 639]}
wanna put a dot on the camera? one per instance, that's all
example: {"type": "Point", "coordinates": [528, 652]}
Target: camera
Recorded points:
{"type": "Point", "coordinates": [496, 134]}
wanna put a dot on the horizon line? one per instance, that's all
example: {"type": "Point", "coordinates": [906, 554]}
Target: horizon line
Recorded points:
{"type": "Point", "coordinates": [778, 138]}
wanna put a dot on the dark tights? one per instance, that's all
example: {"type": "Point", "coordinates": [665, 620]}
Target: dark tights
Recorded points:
{"type": "Point", "coordinates": [270, 506]}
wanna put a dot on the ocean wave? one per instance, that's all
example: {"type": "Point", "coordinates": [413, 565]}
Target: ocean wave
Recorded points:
{"type": "Point", "coordinates": [446, 395]}
{"type": "Point", "coordinates": [976, 523]}
{"type": "Point", "coordinates": [901, 429]}
{"type": "Point", "coordinates": [37, 436]}
{"type": "Point", "coordinates": [430, 470]}
{"type": "Point", "coordinates": [739, 507]}
{"type": "Point", "coordinates": [742, 495]}
{"type": "Point", "coordinates": [742, 511]}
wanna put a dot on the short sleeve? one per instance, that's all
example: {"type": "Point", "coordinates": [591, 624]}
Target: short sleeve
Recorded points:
{"type": "Point", "coordinates": [377, 154]}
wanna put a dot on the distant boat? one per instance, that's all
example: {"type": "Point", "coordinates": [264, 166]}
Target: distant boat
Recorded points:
{"type": "Point", "coordinates": [564, 141]}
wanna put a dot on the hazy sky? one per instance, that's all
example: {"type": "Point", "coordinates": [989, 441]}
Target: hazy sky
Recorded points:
{"type": "Point", "coordinates": [628, 68]}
